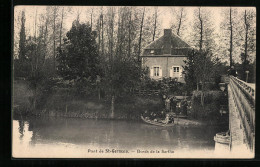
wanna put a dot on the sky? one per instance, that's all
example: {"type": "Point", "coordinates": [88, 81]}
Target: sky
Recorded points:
{"type": "Point", "coordinates": [165, 16]}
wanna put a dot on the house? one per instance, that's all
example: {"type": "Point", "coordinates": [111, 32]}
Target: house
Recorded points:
{"type": "Point", "coordinates": [164, 56]}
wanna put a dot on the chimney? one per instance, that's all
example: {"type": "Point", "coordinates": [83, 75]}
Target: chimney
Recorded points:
{"type": "Point", "coordinates": [167, 41]}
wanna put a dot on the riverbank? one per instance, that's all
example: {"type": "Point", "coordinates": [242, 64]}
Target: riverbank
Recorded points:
{"type": "Point", "coordinates": [129, 107]}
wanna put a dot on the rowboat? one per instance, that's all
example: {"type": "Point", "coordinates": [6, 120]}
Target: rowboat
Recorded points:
{"type": "Point", "coordinates": [156, 123]}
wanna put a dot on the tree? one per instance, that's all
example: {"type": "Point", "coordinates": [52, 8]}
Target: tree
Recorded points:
{"type": "Point", "coordinates": [54, 38]}
{"type": "Point", "coordinates": [249, 46]}
{"type": "Point", "coordinates": [22, 41]}
{"type": "Point", "coordinates": [200, 68]}
{"type": "Point", "coordinates": [53, 15]}
{"type": "Point", "coordinates": [203, 30]}
{"type": "Point", "coordinates": [141, 33]}
{"type": "Point", "coordinates": [189, 69]}
{"type": "Point", "coordinates": [229, 35]}
{"type": "Point", "coordinates": [20, 64]}
{"type": "Point", "coordinates": [151, 29]}
{"type": "Point", "coordinates": [203, 40]}
{"type": "Point", "coordinates": [35, 60]}
{"type": "Point", "coordinates": [178, 25]}
{"type": "Point", "coordinates": [155, 21]}
{"type": "Point", "coordinates": [122, 70]}
{"type": "Point", "coordinates": [61, 23]}
{"type": "Point", "coordinates": [79, 58]}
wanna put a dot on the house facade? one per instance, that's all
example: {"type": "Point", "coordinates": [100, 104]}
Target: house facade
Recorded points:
{"type": "Point", "coordinates": [165, 57]}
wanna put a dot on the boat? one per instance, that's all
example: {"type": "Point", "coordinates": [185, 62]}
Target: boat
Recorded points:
{"type": "Point", "coordinates": [156, 123]}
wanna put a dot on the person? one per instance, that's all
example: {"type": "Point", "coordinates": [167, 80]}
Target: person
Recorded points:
{"type": "Point", "coordinates": [184, 107]}
{"type": "Point", "coordinates": [168, 119]}
{"type": "Point", "coordinates": [145, 115]}
{"type": "Point", "coordinates": [167, 104]}
{"type": "Point", "coordinates": [163, 99]}
{"type": "Point", "coordinates": [173, 104]}
{"type": "Point", "coordinates": [152, 115]}
{"type": "Point", "coordinates": [155, 117]}
{"type": "Point", "coordinates": [171, 119]}
{"type": "Point", "coordinates": [162, 115]}
{"type": "Point", "coordinates": [232, 71]}
{"type": "Point", "coordinates": [178, 108]}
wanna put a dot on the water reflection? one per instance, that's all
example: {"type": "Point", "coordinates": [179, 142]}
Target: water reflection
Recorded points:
{"type": "Point", "coordinates": [21, 128]}
{"type": "Point", "coordinates": [39, 136]}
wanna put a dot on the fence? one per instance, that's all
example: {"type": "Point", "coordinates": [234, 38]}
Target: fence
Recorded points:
{"type": "Point", "coordinates": [144, 92]}
{"type": "Point", "coordinates": [244, 97]}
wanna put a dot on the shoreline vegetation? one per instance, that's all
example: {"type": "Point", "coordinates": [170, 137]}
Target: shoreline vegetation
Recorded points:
{"type": "Point", "coordinates": [129, 107]}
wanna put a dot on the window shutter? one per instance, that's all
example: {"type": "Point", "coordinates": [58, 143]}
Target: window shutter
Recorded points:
{"type": "Point", "coordinates": [171, 72]}
{"type": "Point", "coordinates": [160, 71]}
{"type": "Point", "coordinates": [151, 72]}
{"type": "Point", "coordinates": [180, 71]}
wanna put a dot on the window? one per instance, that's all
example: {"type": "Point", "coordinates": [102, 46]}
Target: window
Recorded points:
{"type": "Point", "coordinates": [156, 71]}
{"type": "Point", "coordinates": [176, 69]}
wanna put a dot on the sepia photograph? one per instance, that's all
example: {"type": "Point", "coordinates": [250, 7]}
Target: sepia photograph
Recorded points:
{"type": "Point", "coordinates": [133, 82]}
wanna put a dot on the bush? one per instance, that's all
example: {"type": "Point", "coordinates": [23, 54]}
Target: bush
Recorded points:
{"type": "Point", "coordinates": [21, 97]}
{"type": "Point", "coordinates": [212, 102]}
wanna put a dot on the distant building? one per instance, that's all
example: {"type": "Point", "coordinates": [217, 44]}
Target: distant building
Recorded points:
{"type": "Point", "coordinates": [164, 56]}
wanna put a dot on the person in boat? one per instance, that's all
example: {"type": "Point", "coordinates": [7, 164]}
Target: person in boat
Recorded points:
{"type": "Point", "coordinates": [161, 115]}
{"type": "Point", "coordinates": [153, 116]}
{"type": "Point", "coordinates": [171, 119]}
{"type": "Point", "coordinates": [168, 119]}
{"type": "Point", "coordinates": [145, 115]}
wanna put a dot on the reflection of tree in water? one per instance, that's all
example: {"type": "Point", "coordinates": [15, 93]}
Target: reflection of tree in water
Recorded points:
{"type": "Point", "coordinates": [21, 128]}
{"type": "Point", "coordinates": [31, 128]}
{"type": "Point", "coordinates": [166, 135]}
{"type": "Point", "coordinates": [110, 134]}
{"type": "Point", "coordinates": [178, 132]}
{"type": "Point", "coordinates": [184, 132]}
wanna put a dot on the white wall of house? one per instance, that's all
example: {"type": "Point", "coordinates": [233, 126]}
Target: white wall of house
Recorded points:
{"type": "Point", "coordinates": [165, 66]}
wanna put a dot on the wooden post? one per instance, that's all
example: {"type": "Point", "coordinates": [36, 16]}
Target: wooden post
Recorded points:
{"type": "Point", "coordinates": [112, 106]}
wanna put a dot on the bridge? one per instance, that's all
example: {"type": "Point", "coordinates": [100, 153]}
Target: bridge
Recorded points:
{"type": "Point", "coordinates": [241, 96]}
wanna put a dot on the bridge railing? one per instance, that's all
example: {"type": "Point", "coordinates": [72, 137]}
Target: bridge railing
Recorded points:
{"type": "Point", "coordinates": [244, 98]}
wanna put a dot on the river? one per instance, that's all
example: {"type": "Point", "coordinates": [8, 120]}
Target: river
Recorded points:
{"type": "Point", "coordinates": [90, 138]}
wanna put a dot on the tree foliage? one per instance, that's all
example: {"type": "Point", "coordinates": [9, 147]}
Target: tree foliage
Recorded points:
{"type": "Point", "coordinates": [79, 58]}
{"type": "Point", "coordinates": [201, 67]}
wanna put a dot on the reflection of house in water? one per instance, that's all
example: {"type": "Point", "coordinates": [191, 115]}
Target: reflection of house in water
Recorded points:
{"type": "Point", "coordinates": [164, 57]}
